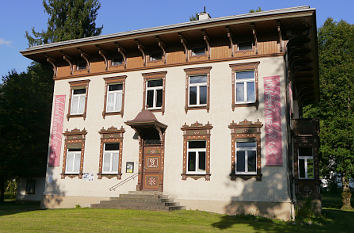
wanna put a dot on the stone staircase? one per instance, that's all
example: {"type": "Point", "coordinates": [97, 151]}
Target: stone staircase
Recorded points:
{"type": "Point", "coordinates": [140, 200]}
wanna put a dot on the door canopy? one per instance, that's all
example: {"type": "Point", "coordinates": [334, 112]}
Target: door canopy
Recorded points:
{"type": "Point", "coordinates": [147, 126]}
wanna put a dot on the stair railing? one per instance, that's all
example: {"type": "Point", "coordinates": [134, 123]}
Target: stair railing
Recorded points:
{"type": "Point", "coordinates": [126, 180]}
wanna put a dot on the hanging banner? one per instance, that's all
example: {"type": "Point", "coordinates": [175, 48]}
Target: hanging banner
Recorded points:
{"type": "Point", "coordinates": [272, 113]}
{"type": "Point", "coordinates": [57, 130]}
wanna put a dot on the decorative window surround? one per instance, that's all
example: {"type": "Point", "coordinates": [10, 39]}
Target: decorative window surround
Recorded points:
{"type": "Point", "coordinates": [244, 67]}
{"type": "Point", "coordinates": [241, 131]}
{"type": "Point", "coordinates": [154, 76]}
{"type": "Point", "coordinates": [74, 139]}
{"type": "Point", "coordinates": [83, 84]}
{"type": "Point", "coordinates": [110, 81]}
{"type": "Point", "coordinates": [196, 132]}
{"type": "Point", "coordinates": [111, 135]}
{"type": "Point", "coordinates": [195, 72]}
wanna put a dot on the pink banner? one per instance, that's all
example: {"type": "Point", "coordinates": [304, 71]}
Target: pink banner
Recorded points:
{"type": "Point", "coordinates": [272, 112]}
{"type": "Point", "coordinates": [56, 132]}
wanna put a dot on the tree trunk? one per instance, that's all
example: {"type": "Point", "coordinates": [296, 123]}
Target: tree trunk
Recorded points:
{"type": "Point", "coordinates": [2, 189]}
{"type": "Point", "coordinates": [346, 194]}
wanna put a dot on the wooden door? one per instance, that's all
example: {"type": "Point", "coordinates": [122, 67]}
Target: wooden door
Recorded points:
{"type": "Point", "coordinates": [152, 168]}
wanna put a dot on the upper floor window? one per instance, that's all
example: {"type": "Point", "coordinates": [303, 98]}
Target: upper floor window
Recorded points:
{"type": "Point", "coordinates": [114, 96]}
{"type": "Point", "coordinates": [306, 163]}
{"type": "Point", "coordinates": [155, 56]}
{"type": "Point", "coordinates": [78, 98]}
{"type": "Point", "coordinates": [154, 91]}
{"type": "Point", "coordinates": [197, 88]}
{"type": "Point", "coordinates": [244, 84]}
{"type": "Point", "coordinates": [245, 87]}
{"type": "Point", "coordinates": [117, 60]}
{"type": "Point", "coordinates": [246, 157]}
{"type": "Point", "coordinates": [110, 158]}
{"type": "Point", "coordinates": [244, 46]}
{"type": "Point", "coordinates": [198, 51]}
{"type": "Point", "coordinates": [81, 64]}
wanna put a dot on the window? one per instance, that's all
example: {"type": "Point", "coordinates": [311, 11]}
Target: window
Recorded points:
{"type": "Point", "coordinates": [245, 87]}
{"type": "Point", "coordinates": [110, 161]}
{"type": "Point", "coordinates": [244, 46]}
{"type": "Point", "coordinates": [156, 56]}
{"type": "Point", "coordinates": [81, 65]}
{"type": "Point", "coordinates": [246, 157]}
{"type": "Point", "coordinates": [110, 158]}
{"type": "Point", "coordinates": [198, 88]}
{"type": "Point", "coordinates": [154, 91]}
{"type": "Point", "coordinates": [78, 101]}
{"type": "Point", "coordinates": [246, 150]}
{"type": "Point", "coordinates": [117, 60]}
{"type": "Point", "coordinates": [114, 96]}
{"type": "Point", "coordinates": [30, 186]}
{"type": "Point", "coordinates": [196, 151]}
{"type": "Point", "coordinates": [306, 163]}
{"type": "Point", "coordinates": [73, 158]}
{"type": "Point", "coordinates": [78, 98]}
{"type": "Point", "coordinates": [196, 157]}
{"type": "Point", "coordinates": [198, 51]}
{"type": "Point", "coordinates": [244, 84]}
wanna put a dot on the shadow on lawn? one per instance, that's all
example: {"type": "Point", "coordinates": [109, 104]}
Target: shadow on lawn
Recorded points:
{"type": "Point", "coordinates": [14, 207]}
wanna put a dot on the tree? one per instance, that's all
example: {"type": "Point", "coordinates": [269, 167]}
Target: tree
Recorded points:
{"type": "Point", "coordinates": [335, 108]}
{"type": "Point", "coordinates": [26, 98]}
{"type": "Point", "coordinates": [68, 19]}
{"type": "Point", "coordinates": [259, 9]}
{"type": "Point", "coordinates": [194, 17]}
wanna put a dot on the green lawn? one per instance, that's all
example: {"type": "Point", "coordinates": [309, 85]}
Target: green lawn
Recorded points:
{"type": "Point", "coordinates": [28, 218]}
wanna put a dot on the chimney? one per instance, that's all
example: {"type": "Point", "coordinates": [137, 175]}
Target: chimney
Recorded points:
{"type": "Point", "coordinates": [203, 15]}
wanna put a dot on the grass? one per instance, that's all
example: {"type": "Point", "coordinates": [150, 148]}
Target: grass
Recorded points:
{"type": "Point", "coordinates": [15, 217]}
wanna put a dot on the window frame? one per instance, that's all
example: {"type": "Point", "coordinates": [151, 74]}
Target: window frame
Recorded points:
{"type": "Point", "coordinates": [196, 132]}
{"type": "Point", "coordinates": [246, 157]}
{"type": "Point", "coordinates": [246, 131]}
{"type": "Point", "coordinates": [75, 85]}
{"type": "Point", "coordinates": [245, 90]}
{"type": "Point", "coordinates": [111, 153]}
{"type": "Point", "coordinates": [239, 67]}
{"type": "Point", "coordinates": [305, 158]}
{"type": "Point", "coordinates": [196, 150]}
{"type": "Point", "coordinates": [154, 76]}
{"type": "Point", "coordinates": [66, 162]}
{"type": "Point", "coordinates": [112, 81]}
{"type": "Point", "coordinates": [74, 139]}
{"type": "Point", "coordinates": [200, 71]}
{"type": "Point", "coordinates": [111, 135]}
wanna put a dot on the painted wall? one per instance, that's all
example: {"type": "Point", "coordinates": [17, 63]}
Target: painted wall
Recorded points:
{"type": "Point", "coordinates": [273, 186]}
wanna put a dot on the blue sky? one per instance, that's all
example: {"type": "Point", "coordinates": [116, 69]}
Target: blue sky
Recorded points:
{"type": "Point", "coordinates": [17, 16]}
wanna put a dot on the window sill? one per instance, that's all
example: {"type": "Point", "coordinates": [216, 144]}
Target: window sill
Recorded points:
{"type": "Point", "coordinates": [246, 176]}
{"type": "Point", "coordinates": [109, 176]}
{"type": "Point", "coordinates": [197, 107]}
{"type": "Point", "coordinates": [195, 176]}
{"type": "Point", "coordinates": [76, 116]}
{"type": "Point", "coordinates": [255, 104]}
{"type": "Point", "coordinates": [104, 113]}
{"type": "Point", "coordinates": [79, 175]}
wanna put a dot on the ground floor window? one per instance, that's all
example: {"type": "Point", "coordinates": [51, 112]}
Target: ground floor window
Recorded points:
{"type": "Point", "coordinates": [246, 157]}
{"type": "Point", "coordinates": [110, 158]}
{"type": "Point", "coordinates": [196, 157]}
{"type": "Point", "coordinates": [306, 163]}
{"type": "Point", "coordinates": [73, 159]}
{"type": "Point", "coordinates": [30, 186]}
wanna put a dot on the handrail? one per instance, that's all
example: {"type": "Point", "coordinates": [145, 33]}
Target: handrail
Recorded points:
{"type": "Point", "coordinates": [114, 187]}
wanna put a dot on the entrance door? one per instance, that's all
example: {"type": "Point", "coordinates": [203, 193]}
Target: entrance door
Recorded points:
{"type": "Point", "coordinates": [152, 167]}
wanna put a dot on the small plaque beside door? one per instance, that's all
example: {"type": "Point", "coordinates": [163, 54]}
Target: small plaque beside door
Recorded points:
{"type": "Point", "coordinates": [129, 167]}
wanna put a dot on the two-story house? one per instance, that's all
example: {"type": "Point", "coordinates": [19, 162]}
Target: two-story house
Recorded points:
{"type": "Point", "coordinates": [207, 112]}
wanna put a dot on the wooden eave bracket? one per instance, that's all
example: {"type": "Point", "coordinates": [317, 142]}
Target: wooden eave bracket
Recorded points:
{"type": "Point", "coordinates": [184, 43]}
{"type": "Point", "coordinates": [141, 49]}
{"type": "Point", "coordinates": [253, 26]}
{"type": "Point", "coordinates": [85, 57]}
{"type": "Point", "coordinates": [162, 45]}
{"type": "Point", "coordinates": [52, 62]}
{"type": "Point", "coordinates": [279, 35]}
{"type": "Point", "coordinates": [229, 36]}
{"type": "Point", "coordinates": [102, 54]}
{"type": "Point", "coordinates": [68, 60]}
{"type": "Point", "coordinates": [207, 41]}
{"type": "Point", "coordinates": [122, 52]}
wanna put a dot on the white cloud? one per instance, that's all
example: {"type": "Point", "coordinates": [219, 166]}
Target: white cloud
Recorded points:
{"type": "Point", "coordinates": [4, 42]}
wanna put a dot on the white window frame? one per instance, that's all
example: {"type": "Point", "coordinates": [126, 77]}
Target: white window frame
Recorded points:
{"type": "Point", "coordinates": [116, 92]}
{"type": "Point", "coordinates": [75, 154]}
{"type": "Point", "coordinates": [246, 149]}
{"type": "Point", "coordinates": [111, 152]}
{"type": "Point", "coordinates": [245, 81]}
{"type": "Point", "coordinates": [305, 158]}
{"type": "Point", "coordinates": [155, 89]}
{"type": "Point", "coordinates": [196, 150]}
{"type": "Point", "coordinates": [198, 85]}
{"type": "Point", "coordinates": [79, 96]}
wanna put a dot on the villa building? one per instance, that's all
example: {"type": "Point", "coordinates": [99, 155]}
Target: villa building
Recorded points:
{"type": "Point", "coordinates": [207, 112]}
